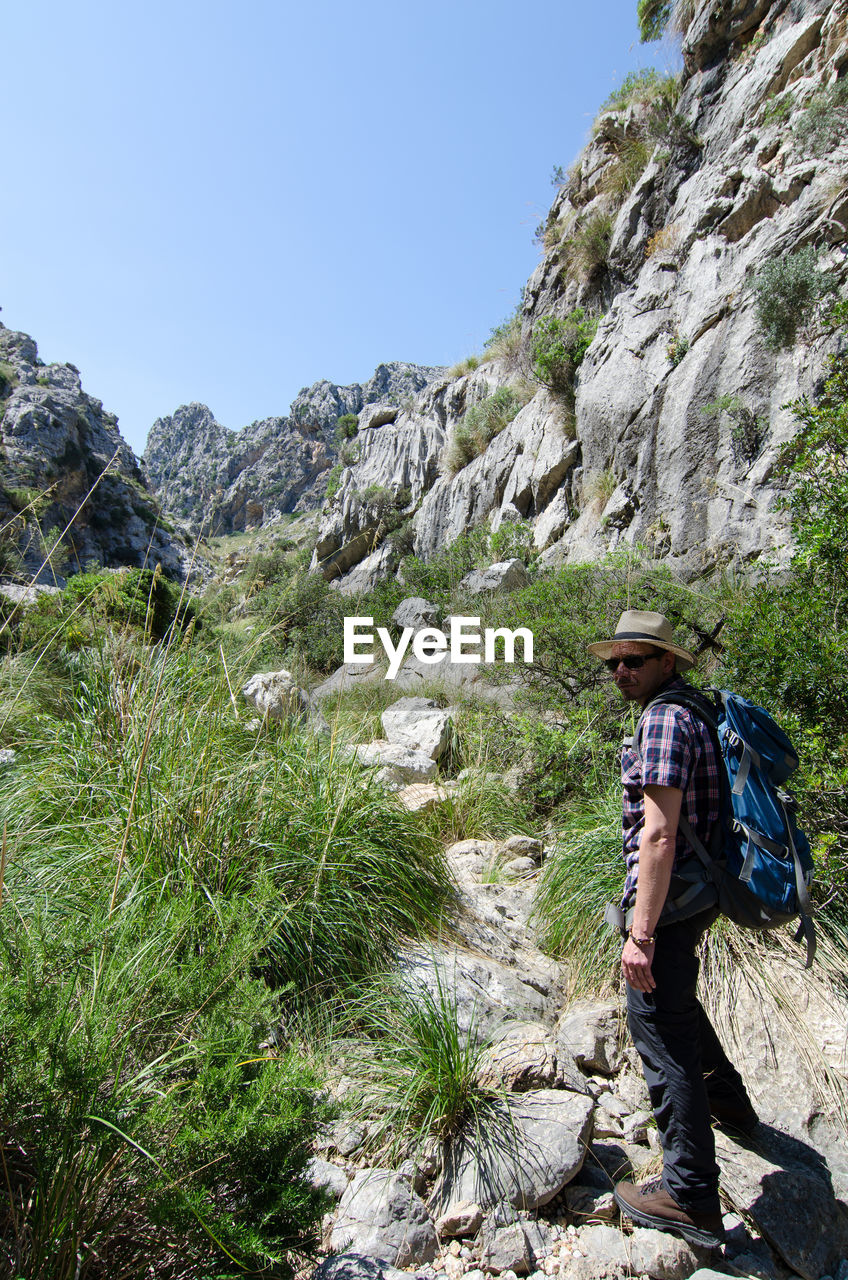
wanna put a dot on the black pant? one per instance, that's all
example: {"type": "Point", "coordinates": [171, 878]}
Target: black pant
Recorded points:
{"type": "Point", "coordinates": [684, 1064]}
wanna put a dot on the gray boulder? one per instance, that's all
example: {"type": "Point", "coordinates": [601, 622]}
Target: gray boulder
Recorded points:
{"type": "Point", "coordinates": [485, 992]}
{"type": "Point", "coordinates": [645, 1252]}
{"type": "Point", "coordinates": [419, 724]}
{"type": "Point", "coordinates": [591, 1033]}
{"type": "Point", "coordinates": [328, 1177]}
{"type": "Point", "coordinates": [416, 612]}
{"type": "Point", "coordinates": [464, 1218]}
{"type": "Point", "coordinates": [784, 1186]}
{"type": "Point", "coordinates": [382, 1217]}
{"type": "Point", "coordinates": [354, 1266]}
{"type": "Point", "coordinates": [276, 696]}
{"type": "Point", "coordinates": [522, 1151]}
{"type": "Point", "coordinates": [524, 1057]}
{"type": "Point", "coordinates": [507, 1249]}
{"type": "Point", "coordinates": [398, 764]}
{"type": "Point", "coordinates": [507, 575]}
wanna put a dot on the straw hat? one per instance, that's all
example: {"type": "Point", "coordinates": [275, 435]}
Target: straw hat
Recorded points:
{"type": "Point", "coordinates": [651, 628]}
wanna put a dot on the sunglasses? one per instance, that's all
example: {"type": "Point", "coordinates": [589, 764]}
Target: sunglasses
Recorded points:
{"type": "Point", "coordinates": [633, 661]}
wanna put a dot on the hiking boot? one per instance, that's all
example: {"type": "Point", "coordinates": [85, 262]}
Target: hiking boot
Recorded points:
{"type": "Point", "coordinates": [650, 1205]}
{"type": "Point", "coordinates": [734, 1116]}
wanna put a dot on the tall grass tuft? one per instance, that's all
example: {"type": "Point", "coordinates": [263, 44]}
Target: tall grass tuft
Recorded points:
{"type": "Point", "coordinates": [415, 1069]}
{"type": "Point", "coordinates": [154, 781]}
{"type": "Point", "coordinates": [582, 873]}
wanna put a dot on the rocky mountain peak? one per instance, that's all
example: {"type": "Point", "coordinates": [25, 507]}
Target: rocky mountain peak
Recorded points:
{"type": "Point", "coordinates": [222, 480]}
{"type": "Point", "coordinates": [72, 495]}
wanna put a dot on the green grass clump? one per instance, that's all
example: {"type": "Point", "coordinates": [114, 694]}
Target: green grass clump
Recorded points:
{"type": "Point", "coordinates": [415, 1068]}
{"type": "Point", "coordinates": [582, 873]}
{"type": "Point", "coordinates": [478, 427]}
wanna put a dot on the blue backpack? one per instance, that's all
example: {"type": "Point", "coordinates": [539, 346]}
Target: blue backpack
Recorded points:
{"type": "Point", "coordinates": [758, 868]}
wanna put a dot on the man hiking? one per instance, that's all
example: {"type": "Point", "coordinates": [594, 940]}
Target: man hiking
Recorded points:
{"type": "Point", "coordinates": [672, 772]}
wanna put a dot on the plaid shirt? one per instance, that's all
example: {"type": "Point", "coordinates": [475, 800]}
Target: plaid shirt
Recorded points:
{"type": "Point", "coordinates": [675, 751]}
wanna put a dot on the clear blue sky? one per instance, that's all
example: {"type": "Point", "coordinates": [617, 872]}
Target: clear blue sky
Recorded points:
{"type": "Point", "coordinates": [225, 203]}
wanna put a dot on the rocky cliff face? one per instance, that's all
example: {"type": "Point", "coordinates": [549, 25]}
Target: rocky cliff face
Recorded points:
{"type": "Point", "coordinates": [667, 436]}
{"type": "Point", "coordinates": [71, 492]}
{"type": "Point", "coordinates": [222, 480]}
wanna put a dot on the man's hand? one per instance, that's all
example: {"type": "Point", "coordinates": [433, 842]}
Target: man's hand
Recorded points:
{"type": "Point", "coordinates": [636, 965]}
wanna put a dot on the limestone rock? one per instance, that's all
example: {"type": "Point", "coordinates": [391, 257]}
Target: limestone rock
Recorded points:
{"type": "Point", "coordinates": [464, 1218]}
{"type": "Point", "coordinates": [655, 1253]}
{"type": "Point", "coordinates": [519, 868]}
{"type": "Point", "coordinates": [785, 1187]}
{"type": "Point", "coordinates": [507, 1249]}
{"type": "Point", "coordinates": [523, 1152]}
{"type": "Point", "coordinates": [507, 575]}
{"type": "Point", "coordinates": [522, 847]}
{"type": "Point", "coordinates": [329, 1177]}
{"type": "Point", "coordinates": [276, 696]}
{"type": "Point", "coordinates": [355, 1266]}
{"type": "Point", "coordinates": [470, 859]}
{"type": "Point", "coordinates": [59, 441]}
{"type": "Point", "coordinates": [643, 458]}
{"type": "Point", "coordinates": [420, 724]}
{"type": "Point", "coordinates": [523, 1057]}
{"type": "Point", "coordinates": [348, 676]}
{"type": "Point", "coordinates": [487, 992]}
{"type": "Point", "coordinates": [226, 481]}
{"type": "Point", "coordinates": [590, 1204]}
{"type": "Point", "coordinates": [422, 797]}
{"type": "Point", "coordinates": [416, 612]}
{"type": "Point", "coordinates": [400, 764]}
{"type": "Point", "coordinates": [591, 1033]}
{"type": "Point", "coordinates": [382, 1217]}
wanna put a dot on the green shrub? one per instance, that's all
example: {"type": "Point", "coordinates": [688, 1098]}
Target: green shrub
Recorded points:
{"type": "Point", "coordinates": [301, 617]}
{"type": "Point", "coordinates": [478, 427]}
{"type": "Point", "coordinates": [676, 348]}
{"type": "Point", "coordinates": [347, 426]}
{"type": "Point", "coordinates": [787, 292]}
{"type": "Point", "coordinates": [557, 347]}
{"type": "Point", "coordinates": [823, 124]}
{"type": "Point", "coordinates": [349, 453]}
{"type": "Point", "coordinates": [816, 460]}
{"type": "Point", "coordinates": [437, 578]}
{"type": "Point", "coordinates": [141, 1129]}
{"type": "Point", "coordinates": [142, 600]}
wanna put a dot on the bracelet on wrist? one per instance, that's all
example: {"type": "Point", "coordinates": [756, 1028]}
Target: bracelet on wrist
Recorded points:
{"type": "Point", "coordinates": [641, 942]}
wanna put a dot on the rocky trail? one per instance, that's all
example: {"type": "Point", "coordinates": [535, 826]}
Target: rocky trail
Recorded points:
{"type": "Point", "coordinates": [529, 1190]}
